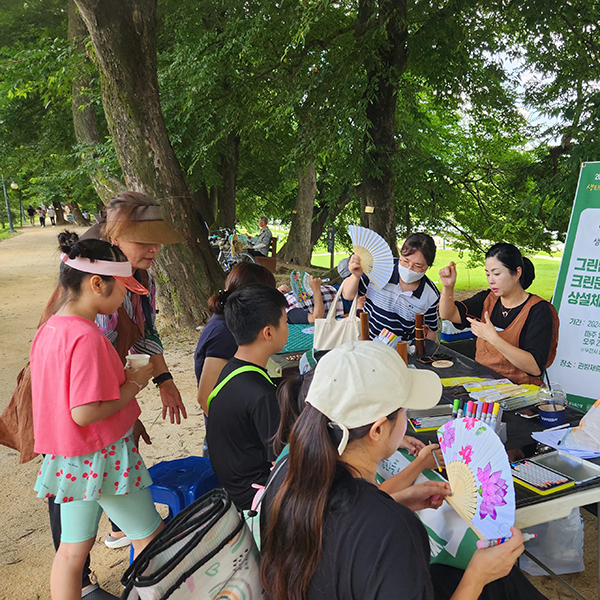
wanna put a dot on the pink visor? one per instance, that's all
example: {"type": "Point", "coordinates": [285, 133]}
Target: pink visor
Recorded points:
{"type": "Point", "coordinates": [119, 270]}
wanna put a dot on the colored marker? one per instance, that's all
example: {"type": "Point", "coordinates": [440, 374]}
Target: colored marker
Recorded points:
{"type": "Point", "coordinates": [484, 411]}
{"type": "Point", "coordinates": [490, 543]}
{"type": "Point", "coordinates": [437, 462]}
{"type": "Point", "coordinates": [479, 408]}
{"type": "Point", "coordinates": [494, 417]}
{"type": "Point", "coordinates": [461, 406]}
{"type": "Point", "coordinates": [469, 412]}
{"type": "Point", "coordinates": [455, 408]}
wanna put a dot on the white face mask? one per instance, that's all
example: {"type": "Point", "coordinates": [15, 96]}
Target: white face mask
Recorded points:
{"type": "Point", "coordinates": [409, 276]}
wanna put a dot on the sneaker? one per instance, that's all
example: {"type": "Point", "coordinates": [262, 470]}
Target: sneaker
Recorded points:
{"type": "Point", "coordinates": [117, 542]}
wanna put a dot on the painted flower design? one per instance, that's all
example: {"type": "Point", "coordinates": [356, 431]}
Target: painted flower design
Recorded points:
{"type": "Point", "coordinates": [492, 490]}
{"type": "Point", "coordinates": [469, 422]}
{"type": "Point", "coordinates": [447, 438]}
{"type": "Point", "coordinates": [467, 453]}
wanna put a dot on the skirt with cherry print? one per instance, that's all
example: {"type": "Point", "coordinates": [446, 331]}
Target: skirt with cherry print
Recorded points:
{"type": "Point", "coordinates": [115, 469]}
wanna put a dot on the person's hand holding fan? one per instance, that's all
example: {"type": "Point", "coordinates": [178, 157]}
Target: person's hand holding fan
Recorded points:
{"type": "Point", "coordinates": [479, 474]}
{"type": "Point", "coordinates": [375, 255]}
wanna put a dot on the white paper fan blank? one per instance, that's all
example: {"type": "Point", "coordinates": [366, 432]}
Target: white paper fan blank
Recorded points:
{"type": "Point", "coordinates": [479, 474]}
{"type": "Point", "coordinates": [375, 255]}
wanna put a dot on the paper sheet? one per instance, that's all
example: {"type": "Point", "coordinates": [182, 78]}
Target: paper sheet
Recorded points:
{"type": "Point", "coordinates": [552, 437]}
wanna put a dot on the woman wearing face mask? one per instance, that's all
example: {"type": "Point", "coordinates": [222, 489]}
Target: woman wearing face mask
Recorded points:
{"type": "Point", "coordinates": [517, 332]}
{"type": "Point", "coordinates": [408, 292]}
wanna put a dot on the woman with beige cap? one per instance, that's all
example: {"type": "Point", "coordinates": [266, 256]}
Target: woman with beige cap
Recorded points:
{"type": "Point", "coordinates": [327, 530]}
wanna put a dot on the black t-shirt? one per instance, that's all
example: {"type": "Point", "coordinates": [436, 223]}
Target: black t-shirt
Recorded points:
{"type": "Point", "coordinates": [216, 341]}
{"type": "Point", "coordinates": [373, 547]}
{"type": "Point", "coordinates": [536, 335]}
{"type": "Point", "coordinates": [243, 417]}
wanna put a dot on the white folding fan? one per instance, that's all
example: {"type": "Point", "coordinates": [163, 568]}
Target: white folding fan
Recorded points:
{"type": "Point", "coordinates": [375, 255]}
{"type": "Point", "coordinates": [483, 492]}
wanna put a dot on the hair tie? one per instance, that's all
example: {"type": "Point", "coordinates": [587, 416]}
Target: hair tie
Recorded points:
{"type": "Point", "coordinates": [223, 295]}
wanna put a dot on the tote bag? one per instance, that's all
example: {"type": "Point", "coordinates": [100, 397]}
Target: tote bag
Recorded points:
{"type": "Point", "coordinates": [330, 333]}
{"type": "Point", "coordinates": [205, 553]}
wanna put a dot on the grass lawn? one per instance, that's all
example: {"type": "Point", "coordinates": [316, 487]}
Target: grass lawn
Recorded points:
{"type": "Point", "coordinates": [5, 234]}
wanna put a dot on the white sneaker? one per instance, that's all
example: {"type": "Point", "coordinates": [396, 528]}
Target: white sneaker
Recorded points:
{"type": "Point", "coordinates": [117, 542]}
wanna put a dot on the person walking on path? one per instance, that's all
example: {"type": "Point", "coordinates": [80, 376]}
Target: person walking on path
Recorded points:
{"type": "Point", "coordinates": [31, 215]}
{"type": "Point", "coordinates": [51, 215]}
{"type": "Point", "coordinates": [41, 212]}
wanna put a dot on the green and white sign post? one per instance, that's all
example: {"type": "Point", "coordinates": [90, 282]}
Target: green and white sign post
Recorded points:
{"type": "Point", "coordinates": [577, 296]}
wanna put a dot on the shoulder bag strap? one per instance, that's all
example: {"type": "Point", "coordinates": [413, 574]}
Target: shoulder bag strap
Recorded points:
{"type": "Point", "coordinates": [231, 375]}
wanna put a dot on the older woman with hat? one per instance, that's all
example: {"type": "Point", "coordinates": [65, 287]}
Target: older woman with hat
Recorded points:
{"type": "Point", "coordinates": [134, 223]}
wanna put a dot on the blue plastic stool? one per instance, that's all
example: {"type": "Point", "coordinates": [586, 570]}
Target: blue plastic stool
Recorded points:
{"type": "Point", "coordinates": [178, 483]}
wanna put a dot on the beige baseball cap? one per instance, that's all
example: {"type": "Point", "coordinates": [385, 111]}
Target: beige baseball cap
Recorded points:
{"type": "Point", "coordinates": [357, 383]}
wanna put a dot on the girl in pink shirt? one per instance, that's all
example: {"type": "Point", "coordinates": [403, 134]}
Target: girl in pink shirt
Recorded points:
{"type": "Point", "coordinates": [84, 408]}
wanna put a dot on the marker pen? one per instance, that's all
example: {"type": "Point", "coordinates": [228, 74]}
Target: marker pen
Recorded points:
{"type": "Point", "coordinates": [484, 411]}
{"type": "Point", "coordinates": [490, 543]}
{"type": "Point", "coordinates": [455, 407]}
{"type": "Point", "coordinates": [479, 408]}
{"type": "Point", "coordinates": [437, 462]}
{"type": "Point", "coordinates": [461, 406]}
{"type": "Point", "coordinates": [494, 418]}
{"type": "Point", "coordinates": [469, 413]}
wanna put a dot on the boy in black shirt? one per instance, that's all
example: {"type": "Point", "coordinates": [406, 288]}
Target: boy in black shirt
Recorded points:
{"type": "Point", "coordinates": [243, 409]}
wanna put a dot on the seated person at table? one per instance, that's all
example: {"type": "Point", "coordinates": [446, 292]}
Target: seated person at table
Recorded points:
{"type": "Point", "coordinates": [328, 532]}
{"type": "Point", "coordinates": [408, 292]}
{"type": "Point", "coordinates": [216, 344]}
{"type": "Point", "coordinates": [517, 332]}
{"type": "Point", "coordinates": [301, 312]}
{"type": "Point", "coordinates": [291, 397]}
{"type": "Point", "coordinates": [243, 407]}
{"type": "Point", "coordinates": [261, 243]}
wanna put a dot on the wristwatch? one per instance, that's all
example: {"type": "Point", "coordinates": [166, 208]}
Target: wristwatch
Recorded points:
{"type": "Point", "coordinates": [162, 378]}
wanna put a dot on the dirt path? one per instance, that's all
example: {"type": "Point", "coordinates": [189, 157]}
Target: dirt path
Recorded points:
{"type": "Point", "coordinates": [28, 272]}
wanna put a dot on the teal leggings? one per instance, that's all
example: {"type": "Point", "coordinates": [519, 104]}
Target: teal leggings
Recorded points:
{"type": "Point", "coordinates": [135, 514]}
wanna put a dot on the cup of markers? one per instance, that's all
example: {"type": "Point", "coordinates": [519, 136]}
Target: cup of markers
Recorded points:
{"type": "Point", "coordinates": [487, 412]}
{"type": "Point", "coordinates": [387, 337]}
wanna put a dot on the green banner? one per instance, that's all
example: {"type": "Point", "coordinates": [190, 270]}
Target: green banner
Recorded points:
{"type": "Point", "coordinates": [577, 296]}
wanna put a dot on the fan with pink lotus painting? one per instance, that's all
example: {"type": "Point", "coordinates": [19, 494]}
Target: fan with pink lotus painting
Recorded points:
{"type": "Point", "coordinates": [483, 492]}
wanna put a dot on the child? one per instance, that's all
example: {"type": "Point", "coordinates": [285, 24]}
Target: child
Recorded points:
{"type": "Point", "coordinates": [243, 408]}
{"type": "Point", "coordinates": [84, 408]}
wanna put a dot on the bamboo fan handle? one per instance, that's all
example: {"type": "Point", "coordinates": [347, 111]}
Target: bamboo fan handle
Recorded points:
{"type": "Point", "coordinates": [420, 333]}
{"type": "Point", "coordinates": [464, 517]}
{"type": "Point", "coordinates": [364, 326]}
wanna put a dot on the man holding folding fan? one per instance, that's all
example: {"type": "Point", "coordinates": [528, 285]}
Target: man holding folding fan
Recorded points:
{"type": "Point", "coordinates": [409, 290]}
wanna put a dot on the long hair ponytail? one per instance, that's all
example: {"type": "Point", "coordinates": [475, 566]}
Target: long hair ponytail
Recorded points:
{"type": "Point", "coordinates": [293, 542]}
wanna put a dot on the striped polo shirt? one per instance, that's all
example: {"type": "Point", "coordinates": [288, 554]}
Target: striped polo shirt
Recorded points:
{"type": "Point", "coordinates": [395, 310]}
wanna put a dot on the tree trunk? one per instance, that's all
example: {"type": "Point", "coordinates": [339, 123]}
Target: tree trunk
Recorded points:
{"type": "Point", "coordinates": [84, 115]}
{"type": "Point", "coordinates": [327, 215]}
{"type": "Point", "coordinates": [79, 218]}
{"type": "Point", "coordinates": [298, 248]}
{"type": "Point", "coordinates": [123, 34]}
{"type": "Point", "coordinates": [384, 69]}
{"type": "Point", "coordinates": [225, 193]}
{"type": "Point", "coordinates": [60, 216]}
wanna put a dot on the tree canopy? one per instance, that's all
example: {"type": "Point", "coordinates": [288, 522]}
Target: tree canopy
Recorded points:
{"type": "Point", "coordinates": [464, 118]}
